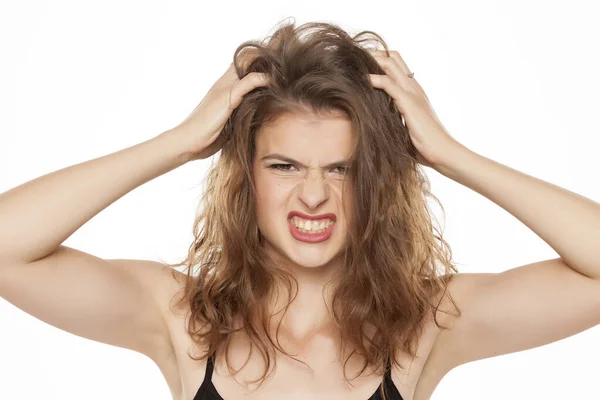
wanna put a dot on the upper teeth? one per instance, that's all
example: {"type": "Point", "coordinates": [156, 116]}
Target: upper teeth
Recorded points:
{"type": "Point", "coordinates": [313, 225]}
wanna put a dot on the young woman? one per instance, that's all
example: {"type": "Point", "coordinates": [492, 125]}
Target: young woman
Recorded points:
{"type": "Point", "coordinates": [315, 271]}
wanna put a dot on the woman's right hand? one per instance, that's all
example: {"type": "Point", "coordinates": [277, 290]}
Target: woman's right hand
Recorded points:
{"type": "Point", "coordinates": [203, 126]}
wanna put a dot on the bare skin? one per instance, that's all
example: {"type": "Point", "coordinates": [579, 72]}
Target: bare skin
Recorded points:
{"type": "Point", "coordinates": [416, 381]}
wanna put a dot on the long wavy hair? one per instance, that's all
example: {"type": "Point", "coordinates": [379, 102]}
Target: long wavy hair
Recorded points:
{"type": "Point", "coordinates": [395, 261]}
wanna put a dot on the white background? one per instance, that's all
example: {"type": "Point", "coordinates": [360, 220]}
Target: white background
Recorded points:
{"type": "Point", "coordinates": [516, 81]}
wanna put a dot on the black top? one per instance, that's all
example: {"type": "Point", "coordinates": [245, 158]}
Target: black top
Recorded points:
{"type": "Point", "coordinates": [207, 390]}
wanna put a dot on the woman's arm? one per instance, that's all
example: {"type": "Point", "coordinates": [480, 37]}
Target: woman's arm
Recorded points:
{"type": "Point", "coordinates": [534, 304]}
{"type": "Point", "coordinates": [523, 307]}
{"type": "Point", "coordinates": [119, 302]}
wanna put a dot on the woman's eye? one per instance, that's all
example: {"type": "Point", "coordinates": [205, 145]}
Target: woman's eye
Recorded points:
{"type": "Point", "coordinates": [281, 167]}
{"type": "Point", "coordinates": [344, 170]}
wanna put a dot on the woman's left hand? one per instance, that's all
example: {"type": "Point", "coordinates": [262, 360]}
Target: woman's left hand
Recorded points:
{"type": "Point", "coordinates": [426, 131]}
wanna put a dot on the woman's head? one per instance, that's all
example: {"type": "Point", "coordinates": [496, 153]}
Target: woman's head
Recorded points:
{"type": "Point", "coordinates": [318, 107]}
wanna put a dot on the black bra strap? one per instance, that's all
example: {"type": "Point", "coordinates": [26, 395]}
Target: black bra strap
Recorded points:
{"type": "Point", "coordinates": [209, 369]}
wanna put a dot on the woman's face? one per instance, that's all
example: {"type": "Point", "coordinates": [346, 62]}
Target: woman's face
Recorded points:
{"type": "Point", "coordinates": [296, 170]}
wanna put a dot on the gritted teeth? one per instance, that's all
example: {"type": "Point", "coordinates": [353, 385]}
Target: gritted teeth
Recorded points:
{"type": "Point", "coordinates": [311, 225]}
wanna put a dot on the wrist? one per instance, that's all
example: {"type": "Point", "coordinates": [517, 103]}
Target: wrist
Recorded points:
{"type": "Point", "coordinates": [176, 141]}
{"type": "Point", "coordinates": [451, 159]}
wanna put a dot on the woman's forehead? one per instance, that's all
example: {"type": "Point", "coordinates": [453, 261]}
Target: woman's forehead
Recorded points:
{"type": "Point", "coordinates": [299, 133]}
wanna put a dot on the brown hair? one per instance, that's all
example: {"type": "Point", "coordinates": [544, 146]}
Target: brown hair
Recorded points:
{"type": "Point", "coordinates": [395, 261]}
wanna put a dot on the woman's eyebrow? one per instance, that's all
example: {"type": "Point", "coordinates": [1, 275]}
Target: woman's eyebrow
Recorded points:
{"type": "Point", "coordinates": [277, 156]}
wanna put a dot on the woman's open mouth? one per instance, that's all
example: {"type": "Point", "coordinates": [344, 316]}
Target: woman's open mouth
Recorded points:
{"type": "Point", "coordinates": [319, 233]}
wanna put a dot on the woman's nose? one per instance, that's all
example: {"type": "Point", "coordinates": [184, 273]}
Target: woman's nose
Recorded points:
{"type": "Point", "coordinates": [314, 191]}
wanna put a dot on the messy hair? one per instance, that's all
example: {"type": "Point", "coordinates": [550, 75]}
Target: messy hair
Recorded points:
{"type": "Point", "coordinates": [395, 261]}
